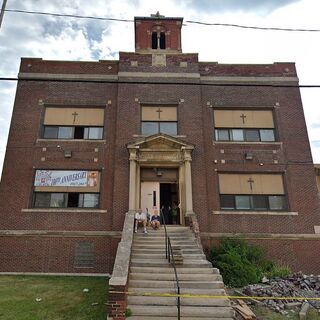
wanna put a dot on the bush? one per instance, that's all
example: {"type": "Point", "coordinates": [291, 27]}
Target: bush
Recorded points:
{"type": "Point", "coordinates": [241, 264]}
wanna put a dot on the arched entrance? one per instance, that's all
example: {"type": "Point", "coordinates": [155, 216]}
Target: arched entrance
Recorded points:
{"type": "Point", "coordinates": [160, 174]}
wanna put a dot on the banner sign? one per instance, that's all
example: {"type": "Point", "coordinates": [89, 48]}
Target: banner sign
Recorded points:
{"type": "Point", "coordinates": [64, 178]}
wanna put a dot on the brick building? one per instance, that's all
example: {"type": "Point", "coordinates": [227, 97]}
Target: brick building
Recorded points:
{"type": "Point", "coordinates": [90, 141]}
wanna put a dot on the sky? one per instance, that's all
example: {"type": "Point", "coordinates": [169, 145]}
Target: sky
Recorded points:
{"type": "Point", "coordinates": [61, 38]}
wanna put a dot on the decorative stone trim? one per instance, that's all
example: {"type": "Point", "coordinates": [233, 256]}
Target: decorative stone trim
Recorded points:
{"type": "Point", "coordinates": [63, 210]}
{"type": "Point", "coordinates": [59, 233]}
{"type": "Point", "coordinates": [259, 213]}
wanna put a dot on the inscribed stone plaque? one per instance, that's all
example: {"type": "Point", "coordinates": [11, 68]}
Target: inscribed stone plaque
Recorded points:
{"type": "Point", "coordinates": [159, 60]}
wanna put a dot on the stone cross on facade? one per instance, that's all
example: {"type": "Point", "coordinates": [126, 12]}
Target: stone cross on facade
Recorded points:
{"type": "Point", "coordinates": [243, 117]}
{"type": "Point", "coordinates": [75, 114]}
{"type": "Point", "coordinates": [159, 111]}
{"type": "Point", "coordinates": [250, 181]}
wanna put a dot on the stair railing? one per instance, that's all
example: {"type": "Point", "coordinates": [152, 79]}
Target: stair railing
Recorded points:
{"type": "Point", "coordinates": [170, 258]}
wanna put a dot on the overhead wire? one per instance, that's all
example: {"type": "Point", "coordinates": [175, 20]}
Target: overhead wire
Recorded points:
{"type": "Point", "coordinates": [187, 21]}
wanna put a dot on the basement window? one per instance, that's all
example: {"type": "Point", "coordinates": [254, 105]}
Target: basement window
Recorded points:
{"type": "Point", "coordinates": [84, 255]}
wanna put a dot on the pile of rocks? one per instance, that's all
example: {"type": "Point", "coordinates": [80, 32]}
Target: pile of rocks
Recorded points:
{"type": "Point", "coordinates": [296, 285]}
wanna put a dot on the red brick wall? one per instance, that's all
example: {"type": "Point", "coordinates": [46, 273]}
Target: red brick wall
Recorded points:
{"type": "Point", "coordinates": [54, 254]}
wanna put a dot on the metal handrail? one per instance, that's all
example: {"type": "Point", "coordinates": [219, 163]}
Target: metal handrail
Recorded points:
{"type": "Point", "coordinates": [170, 257]}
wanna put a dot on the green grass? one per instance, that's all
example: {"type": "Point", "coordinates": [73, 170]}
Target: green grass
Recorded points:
{"type": "Point", "coordinates": [62, 298]}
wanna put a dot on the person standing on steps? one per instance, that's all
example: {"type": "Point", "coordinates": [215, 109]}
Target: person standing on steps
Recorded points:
{"type": "Point", "coordinates": [140, 218]}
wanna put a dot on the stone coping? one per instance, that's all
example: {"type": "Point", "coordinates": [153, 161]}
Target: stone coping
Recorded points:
{"type": "Point", "coordinates": [60, 233]}
{"type": "Point", "coordinates": [258, 213]}
{"type": "Point", "coordinates": [121, 265]}
{"type": "Point", "coordinates": [63, 210]}
{"type": "Point", "coordinates": [262, 236]}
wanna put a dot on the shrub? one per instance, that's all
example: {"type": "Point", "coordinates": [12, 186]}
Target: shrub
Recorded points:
{"type": "Point", "coordinates": [241, 264]}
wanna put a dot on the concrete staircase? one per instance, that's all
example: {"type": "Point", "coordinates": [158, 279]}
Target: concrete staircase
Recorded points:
{"type": "Point", "coordinates": [150, 272]}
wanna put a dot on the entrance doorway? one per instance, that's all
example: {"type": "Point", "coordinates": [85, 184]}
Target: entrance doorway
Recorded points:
{"type": "Point", "coordinates": [159, 190]}
{"type": "Point", "coordinates": [169, 202]}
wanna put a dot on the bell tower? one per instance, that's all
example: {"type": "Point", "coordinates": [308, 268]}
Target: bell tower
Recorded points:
{"type": "Point", "coordinates": [157, 34]}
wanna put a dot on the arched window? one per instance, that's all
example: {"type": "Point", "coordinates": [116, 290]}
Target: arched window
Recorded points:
{"type": "Point", "coordinates": [162, 40]}
{"type": "Point", "coordinates": [154, 44]}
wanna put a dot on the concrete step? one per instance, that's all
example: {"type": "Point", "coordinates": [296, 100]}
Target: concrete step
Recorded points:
{"type": "Point", "coordinates": [171, 284]}
{"type": "Point", "coordinates": [171, 277]}
{"type": "Point", "coordinates": [161, 246]}
{"type": "Point", "coordinates": [155, 255]}
{"type": "Point", "coordinates": [163, 262]}
{"type": "Point", "coordinates": [186, 311]}
{"type": "Point", "coordinates": [192, 291]}
{"type": "Point", "coordinates": [169, 270]}
{"type": "Point", "coordinates": [162, 250]}
{"type": "Point", "coordinates": [172, 301]}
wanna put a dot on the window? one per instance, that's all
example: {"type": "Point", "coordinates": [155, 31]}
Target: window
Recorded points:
{"type": "Point", "coordinates": [159, 119]}
{"type": "Point", "coordinates": [158, 41]}
{"type": "Point", "coordinates": [253, 202]}
{"type": "Point", "coordinates": [66, 189]}
{"type": "Point", "coordinates": [256, 192]}
{"type": "Point", "coordinates": [247, 135]}
{"type": "Point", "coordinates": [244, 125]}
{"type": "Point", "coordinates": [90, 133]}
{"type": "Point", "coordinates": [73, 123]}
{"type": "Point", "coordinates": [66, 200]}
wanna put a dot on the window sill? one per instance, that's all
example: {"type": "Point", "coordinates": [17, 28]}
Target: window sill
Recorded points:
{"type": "Point", "coordinates": [259, 213]}
{"type": "Point", "coordinates": [248, 142]}
{"type": "Point", "coordinates": [72, 140]}
{"type": "Point", "coordinates": [148, 135]}
{"type": "Point", "coordinates": [63, 210]}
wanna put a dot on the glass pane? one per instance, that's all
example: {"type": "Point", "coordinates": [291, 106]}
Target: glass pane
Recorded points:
{"type": "Point", "coordinates": [58, 200]}
{"type": "Point", "coordinates": [242, 202]}
{"type": "Point", "coordinates": [252, 135]}
{"type": "Point", "coordinates": [79, 132]}
{"type": "Point", "coordinates": [168, 128]}
{"type": "Point", "coordinates": [50, 132]}
{"type": "Point", "coordinates": [277, 203]}
{"type": "Point", "coordinates": [237, 135]}
{"type": "Point", "coordinates": [42, 200]}
{"type": "Point", "coordinates": [267, 135]}
{"type": "Point", "coordinates": [95, 133]}
{"type": "Point", "coordinates": [227, 201]}
{"type": "Point", "coordinates": [73, 200]}
{"type": "Point", "coordinates": [91, 200]}
{"type": "Point", "coordinates": [65, 133]}
{"type": "Point", "coordinates": [222, 135]}
{"type": "Point", "coordinates": [86, 133]}
{"type": "Point", "coordinates": [259, 203]}
{"type": "Point", "coordinates": [149, 127]}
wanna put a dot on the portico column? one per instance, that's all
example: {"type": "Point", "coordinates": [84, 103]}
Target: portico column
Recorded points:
{"type": "Point", "coordinates": [132, 179]}
{"type": "Point", "coordinates": [188, 181]}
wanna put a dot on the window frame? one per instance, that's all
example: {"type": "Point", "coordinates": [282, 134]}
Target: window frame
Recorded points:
{"type": "Point", "coordinates": [66, 200]}
{"type": "Point", "coordinates": [245, 131]}
{"type": "Point", "coordinates": [74, 131]}
{"type": "Point", "coordinates": [251, 202]}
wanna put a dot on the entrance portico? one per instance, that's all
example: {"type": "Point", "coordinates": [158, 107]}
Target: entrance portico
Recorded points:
{"type": "Point", "coordinates": [161, 151]}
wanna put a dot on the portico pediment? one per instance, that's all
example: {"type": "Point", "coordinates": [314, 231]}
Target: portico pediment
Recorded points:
{"type": "Point", "coordinates": [160, 142]}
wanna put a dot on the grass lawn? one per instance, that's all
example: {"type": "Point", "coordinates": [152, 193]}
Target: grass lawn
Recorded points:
{"type": "Point", "coordinates": [62, 298]}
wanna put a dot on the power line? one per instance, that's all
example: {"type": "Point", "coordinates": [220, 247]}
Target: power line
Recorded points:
{"type": "Point", "coordinates": [165, 83]}
{"type": "Point", "coordinates": [68, 15]}
{"type": "Point", "coordinates": [253, 27]}
{"type": "Point", "coordinates": [187, 21]}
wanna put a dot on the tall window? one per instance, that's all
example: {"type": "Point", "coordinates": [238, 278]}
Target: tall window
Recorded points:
{"type": "Point", "coordinates": [158, 40]}
{"type": "Point", "coordinates": [252, 192]}
{"type": "Point", "coordinates": [73, 123]}
{"type": "Point", "coordinates": [66, 189]}
{"type": "Point", "coordinates": [244, 125]}
{"type": "Point", "coordinates": [159, 119]}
